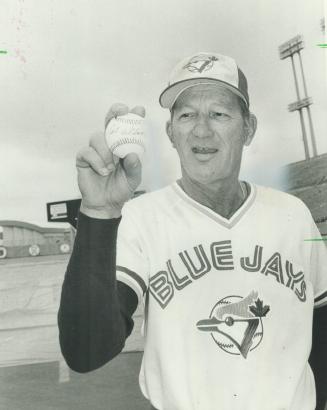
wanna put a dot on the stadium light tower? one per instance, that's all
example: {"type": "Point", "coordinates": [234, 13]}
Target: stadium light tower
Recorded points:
{"type": "Point", "coordinates": [288, 49]}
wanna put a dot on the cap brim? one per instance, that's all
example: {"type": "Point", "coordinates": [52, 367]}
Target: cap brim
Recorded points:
{"type": "Point", "coordinates": [172, 92]}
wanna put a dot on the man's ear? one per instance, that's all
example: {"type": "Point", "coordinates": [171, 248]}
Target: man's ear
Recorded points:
{"type": "Point", "coordinates": [169, 132]}
{"type": "Point", "coordinates": [250, 129]}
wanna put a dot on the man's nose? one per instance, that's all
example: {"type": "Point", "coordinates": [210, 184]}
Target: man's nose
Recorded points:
{"type": "Point", "coordinates": [202, 128]}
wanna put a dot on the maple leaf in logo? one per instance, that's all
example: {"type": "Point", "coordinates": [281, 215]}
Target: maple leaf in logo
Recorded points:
{"type": "Point", "coordinates": [259, 309]}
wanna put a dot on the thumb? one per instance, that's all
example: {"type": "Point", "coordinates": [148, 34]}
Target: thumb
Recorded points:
{"type": "Point", "coordinates": [133, 169]}
{"type": "Point", "coordinates": [139, 110]}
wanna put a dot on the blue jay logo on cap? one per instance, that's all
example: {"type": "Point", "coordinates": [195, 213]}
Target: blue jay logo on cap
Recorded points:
{"type": "Point", "coordinates": [200, 63]}
{"type": "Point", "coordinates": [235, 323]}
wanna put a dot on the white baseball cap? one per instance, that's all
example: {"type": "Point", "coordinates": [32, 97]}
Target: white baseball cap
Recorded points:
{"type": "Point", "coordinates": [204, 68]}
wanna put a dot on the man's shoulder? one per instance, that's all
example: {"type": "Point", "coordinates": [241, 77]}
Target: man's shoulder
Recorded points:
{"type": "Point", "coordinates": [278, 199]}
{"type": "Point", "coordinates": [274, 193]}
{"type": "Point", "coordinates": [150, 201]}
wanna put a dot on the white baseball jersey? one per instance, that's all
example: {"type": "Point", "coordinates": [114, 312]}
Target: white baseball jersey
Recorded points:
{"type": "Point", "coordinates": [228, 302]}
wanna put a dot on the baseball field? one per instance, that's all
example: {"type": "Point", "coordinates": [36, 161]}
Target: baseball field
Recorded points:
{"type": "Point", "coordinates": [37, 387]}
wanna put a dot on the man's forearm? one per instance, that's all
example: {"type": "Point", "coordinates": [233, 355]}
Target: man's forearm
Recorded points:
{"type": "Point", "coordinates": [95, 312]}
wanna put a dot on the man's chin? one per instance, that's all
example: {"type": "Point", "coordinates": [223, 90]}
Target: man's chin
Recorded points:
{"type": "Point", "coordinates": [206, 177]}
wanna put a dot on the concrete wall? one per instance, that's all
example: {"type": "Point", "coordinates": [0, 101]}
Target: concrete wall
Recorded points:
{"type": "Point", "coordinates": [29, 300]}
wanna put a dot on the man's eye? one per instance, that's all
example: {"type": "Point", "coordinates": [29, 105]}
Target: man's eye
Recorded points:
{"type": "Point", "coordinates": [218, 115]}
{"type": "Point", "coordinates": [186, 115]}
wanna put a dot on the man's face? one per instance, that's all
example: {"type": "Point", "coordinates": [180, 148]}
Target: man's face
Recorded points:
{"type": "Point", "coordinates": [208, 131]}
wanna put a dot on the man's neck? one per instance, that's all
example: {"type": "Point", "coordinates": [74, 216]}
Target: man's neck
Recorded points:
{"type": "Point", "coordinates": [223, 197]}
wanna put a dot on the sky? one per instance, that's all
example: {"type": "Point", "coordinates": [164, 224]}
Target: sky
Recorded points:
{"type": "Point", "coordinates": [68, 61]}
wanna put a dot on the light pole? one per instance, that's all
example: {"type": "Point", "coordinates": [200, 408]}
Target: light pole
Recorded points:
{"type": "Point", "coordinates": [289, 49]}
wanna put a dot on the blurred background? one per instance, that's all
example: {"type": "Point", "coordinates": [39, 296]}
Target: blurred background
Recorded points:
{"type": "Point", "coordinates": [62, 65]}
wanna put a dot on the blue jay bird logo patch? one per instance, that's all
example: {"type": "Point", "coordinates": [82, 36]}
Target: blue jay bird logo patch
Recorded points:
{"type": "Point", "coordinates": [200, 63]}
{"type": "Point", "coordinates": [235, 323]}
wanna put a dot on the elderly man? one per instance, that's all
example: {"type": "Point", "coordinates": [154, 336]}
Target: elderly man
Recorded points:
{"type": "Point", "coordinates": [221, 265]}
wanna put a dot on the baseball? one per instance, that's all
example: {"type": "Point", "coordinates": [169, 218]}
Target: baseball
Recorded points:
{"type": "Point", "coordinates": [125, 134]}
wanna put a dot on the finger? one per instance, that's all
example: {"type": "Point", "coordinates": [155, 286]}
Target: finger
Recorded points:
{"type": "Point", "coordinates": [116, 159]}
{"type": "Point", "coordinates": [89, 158]}
{"type": "Point", "coordinates": [133, 169]}
{"type": "Point", "coordinates": [99, 144]}
{"type": "Point", "coordinates": [139, 110]}
{"type": "Point", "coordinates": [115, 110]}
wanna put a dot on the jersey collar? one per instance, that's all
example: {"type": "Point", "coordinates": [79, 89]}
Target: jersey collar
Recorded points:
{"type": "Point", "coordinates": [226, 222]}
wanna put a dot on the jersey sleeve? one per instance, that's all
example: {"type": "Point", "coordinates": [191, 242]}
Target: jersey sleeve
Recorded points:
{"type": "Point", "coordinates": [318, 263]}
{"type": "Point", "coordinates": [132, 267]}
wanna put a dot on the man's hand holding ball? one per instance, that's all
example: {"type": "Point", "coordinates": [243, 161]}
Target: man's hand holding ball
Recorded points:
{"type": "Point", "coordinates": [109, 169]}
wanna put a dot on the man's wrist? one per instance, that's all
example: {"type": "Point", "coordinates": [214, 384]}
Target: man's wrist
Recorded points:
{"type": "Point", "coordinates": [100, 212]}
{"type": "Point", "coordinates": [96, 233]}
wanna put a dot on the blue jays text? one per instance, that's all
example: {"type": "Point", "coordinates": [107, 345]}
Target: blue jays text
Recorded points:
{"type": "Point", "coordinates": [165, 283]}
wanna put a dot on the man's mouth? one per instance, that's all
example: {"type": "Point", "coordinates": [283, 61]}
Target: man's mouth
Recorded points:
{"type": "Point", "coordinates": [204, 150]}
